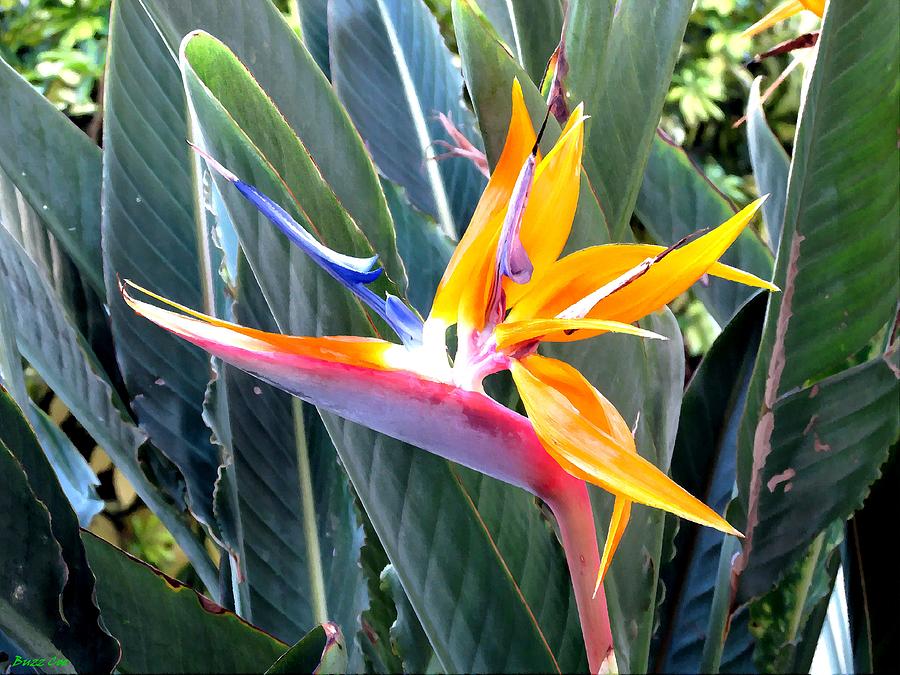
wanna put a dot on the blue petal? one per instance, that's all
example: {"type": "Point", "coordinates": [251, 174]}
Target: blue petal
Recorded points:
{"type": "Point", "coordinates": [346, 268]}
{"type": "Point", "coordinates": [353, 273]}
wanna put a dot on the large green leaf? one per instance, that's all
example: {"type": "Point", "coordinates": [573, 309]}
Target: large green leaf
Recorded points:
{"type": "Point", "coordinates": [314, 30]}
{"type": "Point", "coordinates": [150, 236]}
{"type": "Point", "coordinates": [426, 250]}
{"type": "Point", "coordinates": [57, 169]}
{"type": "Point", "coordinates": [416, 80]}
{"type": "Point", "coordinates": [530, 28]}
{"type": "Point", "coordinates": [46, 338]}
{"type": "Point", "coordinates": [289, 510]}
{"type": "Point", "coordinates": [262, 40]}
{"type": "Point", "coordinates": [771, 163]}
{"type": "Point", "coordinates": [800, 432]}
{"type": "Point", "coordinates": [32, 574]}
{"type": "Point", "coordinates": [623, 90]}
{"type": "Point", "coordinates": [72, 471]}
{"type": "Point", "coordinates": [506, 603]}
{"type": "Point", "coordinates": [704, 464]}
{"type": "Point", "coordinates": [164, 626]}
{"type": "Point", "coordinates": [47, 588]}
{"type": "Point", "coordinates": [676, 199]}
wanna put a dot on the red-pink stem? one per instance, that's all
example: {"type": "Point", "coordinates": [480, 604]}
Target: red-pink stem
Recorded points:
{"type": "Point", "coordinates": [572, 508]}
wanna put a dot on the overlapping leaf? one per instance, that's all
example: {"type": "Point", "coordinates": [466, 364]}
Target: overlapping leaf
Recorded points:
{"type": "Point", "coordinates": [394, 75]}
{"type": "Point", "coordinates": [165, 626]}
{"type": "Point", "coordinates": [46, 587]}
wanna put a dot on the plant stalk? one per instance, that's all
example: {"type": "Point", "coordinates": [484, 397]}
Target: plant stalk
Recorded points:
{"type": "Point", "coordinates": [308, 509]}
{"type": "Point", "coordinates": [575, 516]}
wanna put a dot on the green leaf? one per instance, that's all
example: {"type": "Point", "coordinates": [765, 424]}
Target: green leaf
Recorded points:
{"type": "Point", "coordinates": [624, 91]}
{"type": "Point", "coordinates": [46, 588]}
{"type": "Point", "coordinates": [314, 29]}
{"type": "Point", "coordinates": [703, 463]}
{"type": "Point", "coordinates": [489, 72]}
{"type": "Point", "coordinates": [425, 249]}
{"type": "Point", "coordinates": [321, 651]}
{"type": "Point", "coordinates": [407, 637]}
{"type": "Point", "coordinates": [530, 29]}
{"type": "Point", "coordinates": [46, 338]}
{"type": "Point", "coordinates": [424, 509]}
{"type": "Point", "coordinates": [164, 625]}
{"type": "Point", "coordinates": [259, 36]}
{"type": "Point", "coordinates": [801, 432]}
{"type": "Point", "coordinates": [150, 237]}
{"type": "Point", "coordinates": [32, 574]}
{"type": "Point", "coordinates": [771, 163]}
{"type": "Point", "coordinates": [416, 80]}
{"type": "Point", "coordinates": [836, 433]}
{"type": "Point", "coordinates": [71, 468]}
{"type": "Point", "coordinates": [269, 431]}
{"type": "Point", "coordinates": [676, 199]}
{"type": "Point", "coordinates": [57, 170]}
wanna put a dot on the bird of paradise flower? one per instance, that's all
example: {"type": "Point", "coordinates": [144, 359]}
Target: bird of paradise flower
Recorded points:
{"type": "Point", "coordinates": [506, 290]}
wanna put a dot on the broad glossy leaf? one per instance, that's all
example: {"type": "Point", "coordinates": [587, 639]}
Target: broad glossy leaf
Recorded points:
{"type": "Point", "coordinates": [530, 28]}
{"type": "Point", "coordinates": [799, 431]}
{"type": "Point", "coordinates": [424, 509]}
{"type": "Point", "coordinates": [322, 650]}
{"type": "Point", "coordinates": [408, 640]}
{"type": "Point", "coordinates": [165, 626]}
{"type": "Point", "coordinates": [33, 573]}
{"type": "Point", "coordinates": [425, 249]}
{"type": "Point", "coordinates": [57, 169]}
{"type": "Point", "coordinates": [48, 341]}
{"type": "Point", "coordinates": [70, 467]}
{"type": "Point", "coordinates": [150, 237]}
{"type": "Point", "coordinates": [261, 39]}
{"type": "Point", "coordinates": [314, 31]}
{"type": "Point", "coordinates": [770, 163]}
{"type": "Point", "coordinates": [704, 464]}
{"type": "Point", "coordinates": [47, 587]}
{"type": "Point", "coordinates": [624, 95]}
{"type": "Point", "coordinates": [677, 199]}
{"type": "Point", "coordinates": [395, 106]}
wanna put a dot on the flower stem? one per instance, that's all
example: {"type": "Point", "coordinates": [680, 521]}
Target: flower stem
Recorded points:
{"type": "Point", "coordinates": [572, 508]}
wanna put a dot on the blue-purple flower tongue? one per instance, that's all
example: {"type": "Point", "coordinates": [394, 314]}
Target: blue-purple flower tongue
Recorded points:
{"type": "Point", "coordinates": [512, 258]}
{"type": "Point", "coordinates": [353, 273]}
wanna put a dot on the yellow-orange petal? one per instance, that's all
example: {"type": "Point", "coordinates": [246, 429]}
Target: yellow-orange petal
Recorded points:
{"type": "Point", "coordinates": [576, 276]}
{"type": "Point", "coordinates": [548, 216]}
{"type": "Point", "coordinates": [782, 12]}
{"type": "Point", "coordinates": [594, 447]}
{"type": "Point", "coordinates": [510, 334]}
{"type": "Point", "coordinates": [227, 339]}
{"type": "Point", "coordinates": [617, 524]}
{"type": "Point", "coordinates": [467, 279]}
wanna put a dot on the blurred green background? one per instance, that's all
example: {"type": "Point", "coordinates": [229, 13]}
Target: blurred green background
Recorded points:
{"type": "Point", "coordinates": [59, 46]}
